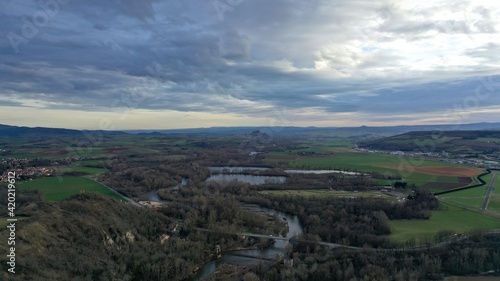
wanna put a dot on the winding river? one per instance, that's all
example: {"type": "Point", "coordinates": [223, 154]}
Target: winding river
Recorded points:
{"type": "Point", "coordinates": [153, 195]}
{"type": "Point", "coordinates": [294, 228]}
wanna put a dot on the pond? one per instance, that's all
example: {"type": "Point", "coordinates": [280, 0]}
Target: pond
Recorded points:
{"type": "Point", "coordinates": [235, 169]}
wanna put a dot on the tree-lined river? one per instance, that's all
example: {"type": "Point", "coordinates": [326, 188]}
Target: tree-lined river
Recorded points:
{"type": "Point", "coordinates": [294, 228]}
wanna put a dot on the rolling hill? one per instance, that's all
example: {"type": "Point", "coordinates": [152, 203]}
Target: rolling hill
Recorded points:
{"type": "Point", "coordinates": [485, 142]}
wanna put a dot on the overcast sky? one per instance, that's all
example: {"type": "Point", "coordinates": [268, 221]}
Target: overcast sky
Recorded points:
{"type": "Point", "coordinates": [130, 64]}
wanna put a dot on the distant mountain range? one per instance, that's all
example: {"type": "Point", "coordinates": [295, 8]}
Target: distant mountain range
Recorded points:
{"type": "Point", "coordinates": [15, 131]}
{"type": "Point", "coordinates": [484, 142]}
{"type": "Point", "coordinates": [354, 131]}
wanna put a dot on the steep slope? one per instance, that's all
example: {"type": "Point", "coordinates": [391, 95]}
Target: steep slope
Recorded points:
{"type": "Point", "coordinates": [90, 237]}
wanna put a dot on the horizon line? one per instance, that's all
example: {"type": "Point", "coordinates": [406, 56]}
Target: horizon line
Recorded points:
{"type": "Point", "coordinates": [256, 127]}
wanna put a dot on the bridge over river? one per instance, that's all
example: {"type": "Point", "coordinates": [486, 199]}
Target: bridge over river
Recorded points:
{"type": "Point", "coordinates": [451, 239]}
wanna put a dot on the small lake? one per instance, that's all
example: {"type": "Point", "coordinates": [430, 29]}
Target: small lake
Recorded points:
{"type": "Point", "coordinates": [251, 179]}
{"type": "Point", "coordinates": [235, 169]}
{"type": "Point", "coordinates": [323, 172]}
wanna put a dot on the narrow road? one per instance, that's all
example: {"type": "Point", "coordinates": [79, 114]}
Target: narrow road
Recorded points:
{"type": "Point", "coordinates": [130, 200]}
{"type": "Point", "coordinates": [451, 239]}
{"type": "Point", "coordinates": [489, 190]}
{"type": "Point", "coordinates": [332, 245]}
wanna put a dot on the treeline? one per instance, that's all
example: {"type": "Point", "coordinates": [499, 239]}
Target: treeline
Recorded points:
{"type": "Point", "coordinates": [324, 181]}
{"type": "Point", "coordinates": [134, 177]}
{"type": "Point", "coordinates": [351, 221]}
{"type": "Point", "coordinates": [90, 237]}
{"type": "Point", "coordinates": [472, 256]}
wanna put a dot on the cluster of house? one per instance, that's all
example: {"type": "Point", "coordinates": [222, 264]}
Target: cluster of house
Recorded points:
{"type": "Point", "coordinates": [25, 170]}
{"type": "Point", "coordinates": [476, 162]}
{"type": "Point", "coordinates": [458, 159]}
{"type": "Point", "coordinates": [30, 172]}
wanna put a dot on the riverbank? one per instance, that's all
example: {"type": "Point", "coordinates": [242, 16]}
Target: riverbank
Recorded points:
{"type": "Point", "coordinates": [251, 257]}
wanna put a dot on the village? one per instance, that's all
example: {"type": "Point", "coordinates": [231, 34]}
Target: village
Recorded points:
{"type": "Point", "coordinates": [28, 169]}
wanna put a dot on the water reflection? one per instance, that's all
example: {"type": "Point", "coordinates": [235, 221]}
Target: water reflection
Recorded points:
{"type": "Point", "coordinates": [235, 169]}
{"type": "Point", "coordinates": [323, 172]}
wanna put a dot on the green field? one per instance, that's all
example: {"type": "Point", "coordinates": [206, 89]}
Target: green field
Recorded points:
{"type": "Point", "coordinates": [330, 194]}
{"type": "Point", "coordinates": [474, 197]}
{"type": "Point", "coordinates": [140, 150]}
{"type": "Point", "coordinates": [90, 162]}
{"type": "Point", "coordinates": [362, 161]}
{"type": "Point", "coordinates": [88, 170]}
{"type": "Point", "coordinates": [56, 152]}
{"type": "Point", "coordinates": [452, 218]}
{"type": "Point", "coordinates": [59, 188]}
{"type": "Point", "coordinates": [369, 162]}
{"type": "Point", "coordinates": [494, 204]}
{"type": "Point", "coordinates": [462, 213]}
{"type": "Point", "coordinates": [85, 151]}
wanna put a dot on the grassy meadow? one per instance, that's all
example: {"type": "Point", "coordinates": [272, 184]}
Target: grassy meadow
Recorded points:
{"type": "Point", "coordinates": [330, 194]}
{"type": "Point", "coordinates": [60, 188]}
{"type": "Point", "coordinates": [441, 175]}
{"type": "Point", "coordinates": [87, 170]}
{"type": "Point", "coordinates": [474, 197]}
{"type": "Point", "coordinates": [456, 219]}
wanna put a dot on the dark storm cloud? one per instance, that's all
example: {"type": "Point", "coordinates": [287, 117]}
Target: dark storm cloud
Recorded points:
{"type": "Point", "coordinates": [188, 56]}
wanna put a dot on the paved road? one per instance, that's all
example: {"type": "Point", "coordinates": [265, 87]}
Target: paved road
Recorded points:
{"type": "Point", "coordinates": [489, 191]}
{"type": "Point", "coordinates": [130, 200]}
{"type": "Point", "coordinates": [333, 245]}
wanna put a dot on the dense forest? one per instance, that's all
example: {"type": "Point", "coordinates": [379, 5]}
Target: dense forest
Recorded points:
{"type": "Point", "coordinates": [90, 237]}
{"type": "Point", "coordinates": [480, 253]}
{"type": "Point", "coordinates": [355, 222]}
